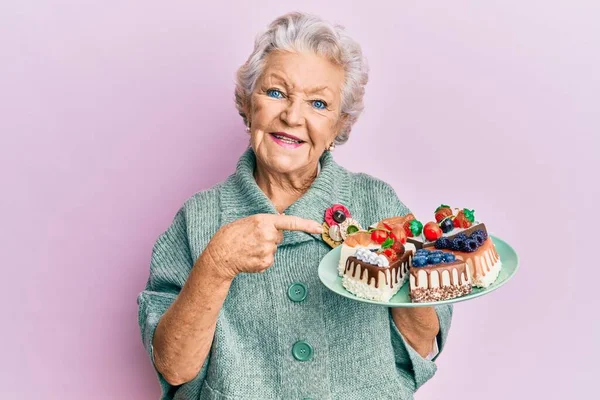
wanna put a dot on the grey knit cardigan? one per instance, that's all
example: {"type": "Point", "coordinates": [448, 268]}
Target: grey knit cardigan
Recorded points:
{"type": "Point", "coordinates": [356, 350]}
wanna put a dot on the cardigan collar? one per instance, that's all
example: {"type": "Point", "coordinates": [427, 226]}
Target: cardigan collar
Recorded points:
{"type": "Point", "coordinates": [241, 196]}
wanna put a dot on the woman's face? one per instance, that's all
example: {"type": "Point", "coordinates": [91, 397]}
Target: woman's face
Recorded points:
{"type": "Point", "coordinates": [295, 110]}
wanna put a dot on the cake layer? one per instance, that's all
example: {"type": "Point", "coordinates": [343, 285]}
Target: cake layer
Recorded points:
{"type": "Point", "coordinates": [365, 291]}
{"type": "Point", "coordinates": [441, 281]}
{"type": "Point", "coordinates": [421, 295]}
{"type": "Point", "coordinates": [484, 263]}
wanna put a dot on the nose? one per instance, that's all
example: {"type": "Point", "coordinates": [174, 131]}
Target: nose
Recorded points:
{"type": "Point", "coordinates": [293, 115]}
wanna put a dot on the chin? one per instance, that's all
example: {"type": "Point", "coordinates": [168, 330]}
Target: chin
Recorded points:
{"type": "Point", "coordinates": [284, 161]}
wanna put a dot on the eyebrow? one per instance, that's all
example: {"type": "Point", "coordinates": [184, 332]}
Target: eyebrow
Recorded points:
{"type": "Point", "coordinates": [312, 90]}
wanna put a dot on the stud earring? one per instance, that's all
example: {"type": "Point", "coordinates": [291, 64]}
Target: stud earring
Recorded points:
{"type": "Point", "coordinates": [331, 146]}
{"type": "Point", "coordinates": [248, 128]}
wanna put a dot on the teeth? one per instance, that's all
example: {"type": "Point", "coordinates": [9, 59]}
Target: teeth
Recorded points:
{"type": "Point", "coordinates": [286, 139]}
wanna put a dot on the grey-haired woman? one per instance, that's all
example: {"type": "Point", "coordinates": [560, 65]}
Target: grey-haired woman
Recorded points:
{"type": "Point", "coordinates": [233, 307]}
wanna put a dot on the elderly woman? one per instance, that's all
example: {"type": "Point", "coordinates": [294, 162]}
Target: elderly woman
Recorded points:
{"type": "Point", "coordinates": [233, 307]}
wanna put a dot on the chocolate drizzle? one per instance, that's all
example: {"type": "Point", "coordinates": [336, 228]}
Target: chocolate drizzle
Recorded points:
{"type": "Point", "coordinates": [397, 269]}
{"type": "Point", "coordinates": [459, 265]}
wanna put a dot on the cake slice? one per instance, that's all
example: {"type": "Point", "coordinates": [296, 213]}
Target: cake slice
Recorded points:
{"type": "Point", "coordinates": [377, 275]}
{"type": "Point", "coordinates": [477, 249]}
{"type": "Point", "coordinates": [353, 242]}
{"type": "Point", "coordinates": [436, 275]}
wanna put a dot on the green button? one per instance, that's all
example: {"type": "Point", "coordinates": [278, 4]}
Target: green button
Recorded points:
{"type": "Point", "coordinates": [302, 351]}
{"type": "Point", "coordinates": [297, 292]}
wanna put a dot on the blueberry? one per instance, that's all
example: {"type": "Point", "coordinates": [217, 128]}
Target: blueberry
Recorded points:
{"type": "Point", "coordinates": [442, 243]}
{"type": "Point", "coordinates": [449, 257]}
{"type": "Point", "coordinates": [436, 259]}
{"type": "Point", "coordinates": [422, 252]}
{"type": "Point", "coordinates": [339, 216]}
{"type": "Point", "coordinates": [447, 225]}
{"type": "Point", "coordinates": [438, 252]}
{"type": "Point", "coordinates": [419, 261]}
{"type": "Point", "coordinates": [470, 245]}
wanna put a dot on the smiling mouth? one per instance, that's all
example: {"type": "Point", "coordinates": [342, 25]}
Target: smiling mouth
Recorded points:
{"type": "Point", "coordinates": [286, 139]}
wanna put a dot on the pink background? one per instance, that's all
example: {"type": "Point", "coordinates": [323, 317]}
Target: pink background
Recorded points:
{"type": "Point", "coordinates": [112, 114]}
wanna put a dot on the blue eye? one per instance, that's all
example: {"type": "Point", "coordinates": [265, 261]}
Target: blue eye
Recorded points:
{"type": "Point", "coordinates": [275, 93]}
{"type": "Point", "coordinates": [321, 105]}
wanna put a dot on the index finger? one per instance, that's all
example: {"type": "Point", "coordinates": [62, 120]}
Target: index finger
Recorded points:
{"type": "Point", "coordinates": [294, 223]}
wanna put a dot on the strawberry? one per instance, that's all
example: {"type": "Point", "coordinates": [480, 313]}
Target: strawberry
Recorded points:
{"type": "Point", "coordinates": [413, 228]}
{"type": "Point", "coordinates": [464, 218]}
{"type": "Point", "coordinates": [398, 248]}
{"type": "Point", "coordinates": [432, 231]}
{"type": "Point", "coordinates": [390, 254]}
{"type": "Point", "coordinates": [442, 212]}
{"type": "Point", "coordinates": [379, 236]}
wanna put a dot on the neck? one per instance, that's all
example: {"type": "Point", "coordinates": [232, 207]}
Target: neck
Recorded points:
{"type": "Point", "coordinates": [284, 189]}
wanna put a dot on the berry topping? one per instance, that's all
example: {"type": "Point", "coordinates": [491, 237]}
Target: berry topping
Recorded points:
{"type": "Point", "coordinates": [442, 243]}
{"type": "Point", "coordinates": [434, 259]}
{"type": "Point", "coordinates": [470, 245]}
{"type": "Point", "coordinates": [419, 261]}
{"type": "Point", "coordinates": [447, 224]}
{"type": "Point", "coordinates": [464, 218]}
{"type": "Point", "coordinates": [334, 212]}
{"type": "Point", "coordinates": [432, 231]}
{"type": "Point", "coordinates": [481, 232]}
{"type": "Point", "coordinates": [390, 254]}
{"type": "Point", "coordinates": [413, 228]}
{"type": "Point", "coordinates": [442, 212]}
{"type": "Point", "coordinates": [461, 236]}
{"type": "Point", "coordinates": [398, 248]}
{"type": "Point", "coordinates": [379, 236]}
{"type": "Point", "coordinates": [449, 257]}
{"type": "Point", "coordinates": [422, 252]}
{"type": "Point", "coordinates": [457, 244]}
{"type": "Point", "coordinates": [478, 237]}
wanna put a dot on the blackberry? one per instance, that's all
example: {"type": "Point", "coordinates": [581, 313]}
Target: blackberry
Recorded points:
{"type": "Point", "coordinates": [470, 245]}
{"type": "Point", "coordinates": [461, 236]}
{"type": "Point", "coordinates": [442, 243]}
{"type": "Point", "coordinates": [478, 237]}
{"type": "Point", "coordinates": [457, 244]}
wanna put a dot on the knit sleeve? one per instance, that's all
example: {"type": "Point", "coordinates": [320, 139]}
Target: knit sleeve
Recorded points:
{"type": "Point", "coordinates": [408, 361]}
{"type": "Point", "coordinates": [170, 265]}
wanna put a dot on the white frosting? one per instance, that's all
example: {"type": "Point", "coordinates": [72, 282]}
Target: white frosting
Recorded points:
{"type": "Point", "coordinates": [370, 257]}
{"type": "Point", "coordinates": [347, 251]}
